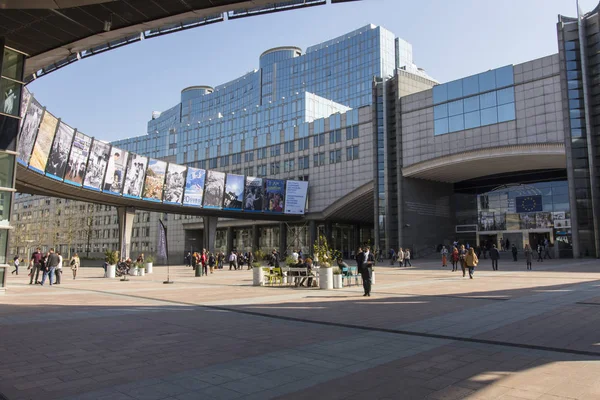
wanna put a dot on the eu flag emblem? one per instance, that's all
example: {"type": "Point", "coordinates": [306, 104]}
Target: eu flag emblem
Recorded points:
{"type": "Point", "coordinates": [527, 204]}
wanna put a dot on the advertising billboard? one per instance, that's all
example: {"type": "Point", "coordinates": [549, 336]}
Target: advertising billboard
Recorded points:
{"type": "Point", "coordinates": [254, 194]}
{"type": "Point", "coordinates": [213, 191]}
{"type": "Point", "coordinates": [194, 187]}
{"type": "Point", "coordinates": [59, 154]}
{"type": "Point", "coordinates": [295, 197]}
{"type": "Point", "coordinates": [115, 171]}
{"type": "Point", "coordinates": [275, 190]}
{"type": "Point", "coordinates": [174, 184]}
{"type": "Point", "coordinates": [43, 143]}
{"type": "Point", "coordinates": [78, 157]}
{"type": "Point", "coordinates": [96, 167]}
{"type": "Point", "coordinates": [25, 97]}
{"type": "Point", "coordinates": [29, 131]}
{"type": "Point", "coordinates": [155, 180]}
{"type": "Point", "coordinates": [134, 179]}
{"type": "Point", "coordinates": [234, 192]}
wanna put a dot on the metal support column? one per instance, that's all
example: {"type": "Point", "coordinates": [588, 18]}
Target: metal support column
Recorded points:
{"type": "Point", "coordinates": [125, 216]}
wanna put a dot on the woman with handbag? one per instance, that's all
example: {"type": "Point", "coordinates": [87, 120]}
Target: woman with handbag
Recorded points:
{"type": "Point", "coordinates": [471, 261]}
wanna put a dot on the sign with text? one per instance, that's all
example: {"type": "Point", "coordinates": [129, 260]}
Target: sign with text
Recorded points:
{"type": "Point", "coordinates": [295, 197]}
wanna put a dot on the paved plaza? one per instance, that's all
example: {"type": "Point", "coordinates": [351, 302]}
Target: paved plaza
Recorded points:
{"type": "Point", "coordinates": [426, 332]}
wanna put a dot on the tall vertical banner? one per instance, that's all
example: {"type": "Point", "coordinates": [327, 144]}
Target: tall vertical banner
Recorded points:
{"type": "Point", "coordinates": [43, 143]}
{"type": "Point", "coordinates": [96, 167]}
{"type": "Point", "coordinates": [115, 171]}
{"type": "Point", "coordinates": [25, 97]}
{"type": "Point", "coordinates": [254, 194]}
{"type": "Point", "coordinates": [78, 158]}
{"type": "Point", "coordinates": [275, 191]}
{"type": "Point", "coordinates": [213, 191]}
{"type": "Point", "coordinates": [234, 192]}
{"type": "Point", "coordinates": [134, 179]}
{"type": "Point", "coordinates": [163, 248]}
{"type": "Point", "coordinates": [194, 187]}
{"type": "Point", "coordinates": [59, 155]}
{"type": "Point", "coordinates": [174, 184]}
{"type": "Point", "coordinates": [155, 180]}
{"type": "Point", "coordinates": [29, 130]}
{"type": "Point", "coordinates": [295, 197]}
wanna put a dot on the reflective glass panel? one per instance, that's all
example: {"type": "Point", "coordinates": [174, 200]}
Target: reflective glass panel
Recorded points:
{"type": "Point", "coordinates": [571, 65]}
{"type": "Point", "coordinates": [470, 85]}
{"type": "Point", "coordinates": [489, 116]}
{"type": "Point", "coordinates": [569, 45]}
{"type": "Point", "coordinates": [504, 76]}
{"type": "Point", "coordinates": [506, 112]}
{"type": "Point", "coordinates": [440, 94]}
{"type": "Point", "coordinates": [7, 162]}
{"type": "Point", "coordinates": [11, 95]}
{"type": "Point", "coordinates": [12, 65]}
{"type": "Point", "coordinates": [505, 96]}
{"type": "Point", "coordinates": [576, 123]}
{"type": "Point", "coordinates": [472, 120]}
{"type": "Point", "coordinates": [3, 245]}
{"type": "Point", "coordinates": [575, 104]}
{"type": "Point", "coordinates": [5, 199]}
{"type": "Point", "coordinates": [576, 132]}
{"type": "Point", "coordinates": [454, 89]}
{"type": "Point", "coordinates": [455, 107]}
{"type": "Point", "coordinates": [575, 94]}
{"type": "Point", "coordinates": [440, 126]}
{"type": "Point", "coordinates": [571, 55]}
{"type": "Point", "coordinates": [456, 123]}
{"type": "Point", "coordinates": [440, 111]}
{"type": "Point", "coordinates": [487, 81]}
{"type": "Point", "coordinates": [573, 75]}
{"type": "Point", "coordinates": [471, 104]}
{"type": "Point", "coordinates": [487, 100]}
{"type": "Point", "coordinates": [573, 84]}
{"type": "Point", "coordinates": [575, 113]}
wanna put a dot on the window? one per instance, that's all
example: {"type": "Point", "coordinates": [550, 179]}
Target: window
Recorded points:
{"type": "Point", "coordinates": [249, 156]}
{"type": "Point", "coordinates": [335, 136]}
{"type": "Point", "coordinates": [261, 154]}
{"type": "Point", "coordinates": [352, 153]}
{"type": "Point", "coordinates": [261, 170]}
{"type": "Point", "coordinates": [275, 167]}
{"type": "Point", "coordinates": [303, 162]}
{"type": "Point", "coordinates": [351, 132]}
{"type": "Point", "coordinates": [224, 161]}
{"type": "Point", "coordinates": [236, 159]}
{"type": "Point", "coordinates": [303, 144]}
{"type": "Point", "coordinates": [319, 140]}
{"type": "Point", "coordinates": [319, 159]}
{"type": "Point", "coordinates": [288, 165]}
{"type": "Point", "coordinates": [288, 147]}
{"type": "Point", "coordinates": [212, 163]}
{"type": "Point", "coordinates": [335, 156]}
{"type": "Point", "coordinates": [275, 151]}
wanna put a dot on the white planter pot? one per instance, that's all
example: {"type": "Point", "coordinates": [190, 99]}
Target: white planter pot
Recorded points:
{"type": "Point", "coordinates": [111, 271]}
{"type": "Point", "coordinates": [372, 277]}
{"type": "Point", "coordinates": [134, 272]}
{"type": "Point", "coordinates": [337, 281]}
{"type": "Point", "coordinates": [149, 268]}
{"type": "Point", "coordinates": [326, 278]}
{"type": "Point", "coordinates": [257, 276]}
{"type": "Point", "coordinates": [141, 272]}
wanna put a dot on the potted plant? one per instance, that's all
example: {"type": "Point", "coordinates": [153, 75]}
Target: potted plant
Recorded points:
{"type": "Point", "coordinates": [324, 255]}
{"type": "Point", "coordinates": [337, 278]}
{"type": "Point", "coordinates": [112, 258]}
{"type": "Point", "coordinates": [149, 263]}
{"type": "Point", "coordinates": [141, 271]}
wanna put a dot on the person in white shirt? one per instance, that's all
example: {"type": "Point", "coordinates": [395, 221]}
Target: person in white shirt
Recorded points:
{"type": "Point", "coordinates": [407, 258]}
{"type": "Point", "coordinates": [295, 256]}
{"type": "Point", "coordinates": [400, 257]}
{"type": "Point", "coordinates": [58, 271]}
{"type": "Point", "coordinates": [232, 260]}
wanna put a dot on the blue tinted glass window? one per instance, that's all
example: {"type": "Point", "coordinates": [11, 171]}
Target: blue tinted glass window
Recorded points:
{"type": "Point", "coordinates": [489, 116]}
{"type": "Point", "coordinates": [571, 65]}
{"type": "Point", "coordinates": [454, 89]}
{"type": "Point", "coordinates": [573, 75]}
{"type": "Point", "coordinates": [440, 126]}
{"type": "Point", "coordinates": [472, 120]}
{"type": "Point", "coordinates": [575, 104]}
{"type": "Point", "coordinates": [487, 81]}
{"type": "Point", "coordinates": [569, 45]}
{"type": "Point", "coordinates": [575, 113]}
{"type": "Point", "coordinates": [576, 132]}
{"type": "Point", "coordinates": [455, 107]}
{"type": "Point", "coordinates": [574, 84]}
{"type": "Point", "coordinates": [574, 94]}
{"type": "Point", "coordinates": [505, 76]}
{"type": "Point", "coordinates": [471, 103]}
{"type": "Point", "coordinates": [440, 94]}
{"type": "Point", "coordinates": [571, 55]}
{"type": "Point", "coordinates": [456, 123]}
{"type": "Point", "coordinates": [506, 112]}
{"type": "Point", "coordinates": [576, 123]}
{"type": "Point", "coordinates": [487, 100]}
{"type": "Point", "coordinates": [470, 85]}
{"type": "Point", "coordinates": [440, 111]}
{"type": "Point", "coordinates": [505, 95]}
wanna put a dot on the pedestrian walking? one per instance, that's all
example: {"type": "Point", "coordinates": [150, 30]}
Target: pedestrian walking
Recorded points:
{"type": "Point", "coordinates": [514, 252]}
{"type": "Point", "coordinates": [232, 260]}
{"type": "Point", "coordinates": [400, 257]}
{"type": "Point", "coordinates": [211, 262]}
{"type": "Point", "coordinates": [251, 258]}
{"type": "Point", "coordinates": [75, 264]}
{"type": "Point", "coordinates": [528, 256]}
{"type": "Point", "coordinates": [188, 259]}
{"type": "Point", "coordinates": [49, 271]}
{"type": "Point", "coordinates": [455, 259]}
{"type": "Point", "coordinates": [204, 261]}
{"type": "Point", "coordinates": [407, 258]}
{"type": "Point", "coordinates": [58, 271]}
{"type": "Point", "coordinates": [494, 256]}
{"type": "Point", "coordinates": [547, 249]}
{"type": "Point", "coordinates": [366, 270]}
{"type": "Point", "coordinates": [35, 264]}
{"type": "Point", "coordinates": [444, 253]}
{"type": "Point", "coordinates": [471, 261]}
{"type": "Point", "coordinates": [16, 265]}
{"type": "Point", "coordinates": [540, 250]}
{"type": "Point", "coordinates": [462, 254]}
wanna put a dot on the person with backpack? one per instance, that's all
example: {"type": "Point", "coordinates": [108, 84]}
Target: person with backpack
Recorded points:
{"type": "Point", "coordinates": [211, 262]}
{"type": "Point", "coordinates": [471, 262]}
{"type": "Point", "coordinates": [455, 259]}
{"type": "Point", "coordinates": [495, 256]}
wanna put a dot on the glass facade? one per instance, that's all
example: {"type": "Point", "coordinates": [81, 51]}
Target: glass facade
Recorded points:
{"type": "Point", "coordinates": [484, 99]}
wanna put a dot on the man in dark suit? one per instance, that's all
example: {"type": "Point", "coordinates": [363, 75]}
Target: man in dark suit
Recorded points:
{"type": "Point", "coordinates": [366, 269]}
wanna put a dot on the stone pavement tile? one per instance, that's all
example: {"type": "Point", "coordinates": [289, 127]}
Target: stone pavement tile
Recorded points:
{"type": "Point", "coordinates": [216, 393]}
{"type": "Point", "coordinates": [523, 394]}
{"type": "Point", "coordinates": [451, 393]}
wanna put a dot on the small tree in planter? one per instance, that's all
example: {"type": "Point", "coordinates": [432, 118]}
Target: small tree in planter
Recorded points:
{"type": "Point", "coordinates": [337, 278]}
{"type": "Point", "coordinates": [112, 258]}
{"type": "Point", "coordinates": [325, 256]}
{"type": "Point", "coordinates": [149, 263]}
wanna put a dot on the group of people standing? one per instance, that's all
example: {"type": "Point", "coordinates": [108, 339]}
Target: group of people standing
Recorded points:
{"type": "Point", "coordinates": [51, 266]}
{"type": "Point", "coordinates": [466, 257]}
{"type": "Point", "coordinates": [402, 256]}
{"type": "Point", "coordinates": [211, 261]}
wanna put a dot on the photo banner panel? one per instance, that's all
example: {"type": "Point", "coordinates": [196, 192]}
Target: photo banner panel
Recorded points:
{"type": "Point", "coordinates": [155, 180]}
{"type": "Point", "coordinates": [134, 179]}
{"type": "Point", "coordinates": [254, 194]}
{"type": "Point", "coordinates": [115, 171]}
{"type": "Point", "coordinates": [29, 131]}
{"type": "Point", "coordinates": [194, 187]}
{"type": "Point", "coordinates": [213, 191]}
{"type": "Point", "coordinates": [43, 143]}
{"type": "Point", "coordinates": [275, 190]}
{"type": "Point", "coordinates": [174, 184]}
{"type": "Point", "coordinates": [25, 97]}
{"type": "Point", "coordinates": [78, 158]}
{"type": "Point", "coordinates": [96, 167]}
{"type": "Point", "coordinates": [295, 197]}
{"type": "Point", "coordinates": [234, 192]}
{"type": "Point", "coordinates": [59, 154]}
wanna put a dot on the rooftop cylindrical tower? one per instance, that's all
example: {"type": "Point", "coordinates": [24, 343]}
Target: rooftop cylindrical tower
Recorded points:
{"type": "Point", "coordinates": [278, 54]}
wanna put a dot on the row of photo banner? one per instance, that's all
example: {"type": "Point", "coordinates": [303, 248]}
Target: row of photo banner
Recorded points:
{"type": "Point", "coordinates": [49, 146]}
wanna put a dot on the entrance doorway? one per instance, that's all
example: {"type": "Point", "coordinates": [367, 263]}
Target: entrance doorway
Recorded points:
{"type": "Point", "coordinates": [486, 241]}
{"type": "Point", "coordinates": [536, 238]}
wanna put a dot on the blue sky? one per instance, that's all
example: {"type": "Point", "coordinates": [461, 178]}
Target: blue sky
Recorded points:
{"type": "Point", "coordinates": [112, 95]}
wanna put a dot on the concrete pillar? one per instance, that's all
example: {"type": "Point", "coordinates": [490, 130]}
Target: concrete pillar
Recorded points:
{"type": "Point", "coordinates": [210, 233]}
{"type": "Point", "coordinates": [356, 244]}
{"type": "Point", "coordinates": [312, 229]}
{"type": "Point", "coordinates": [229, 239]}
{"type": "Point", "coordinates": [255, 238]}
{"type": "Point", "coordinates": [125, 216]}
{"type": "Point", "coordinates": [328, 231]}
{"type": "Point", "coordinates": [282, 238]}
